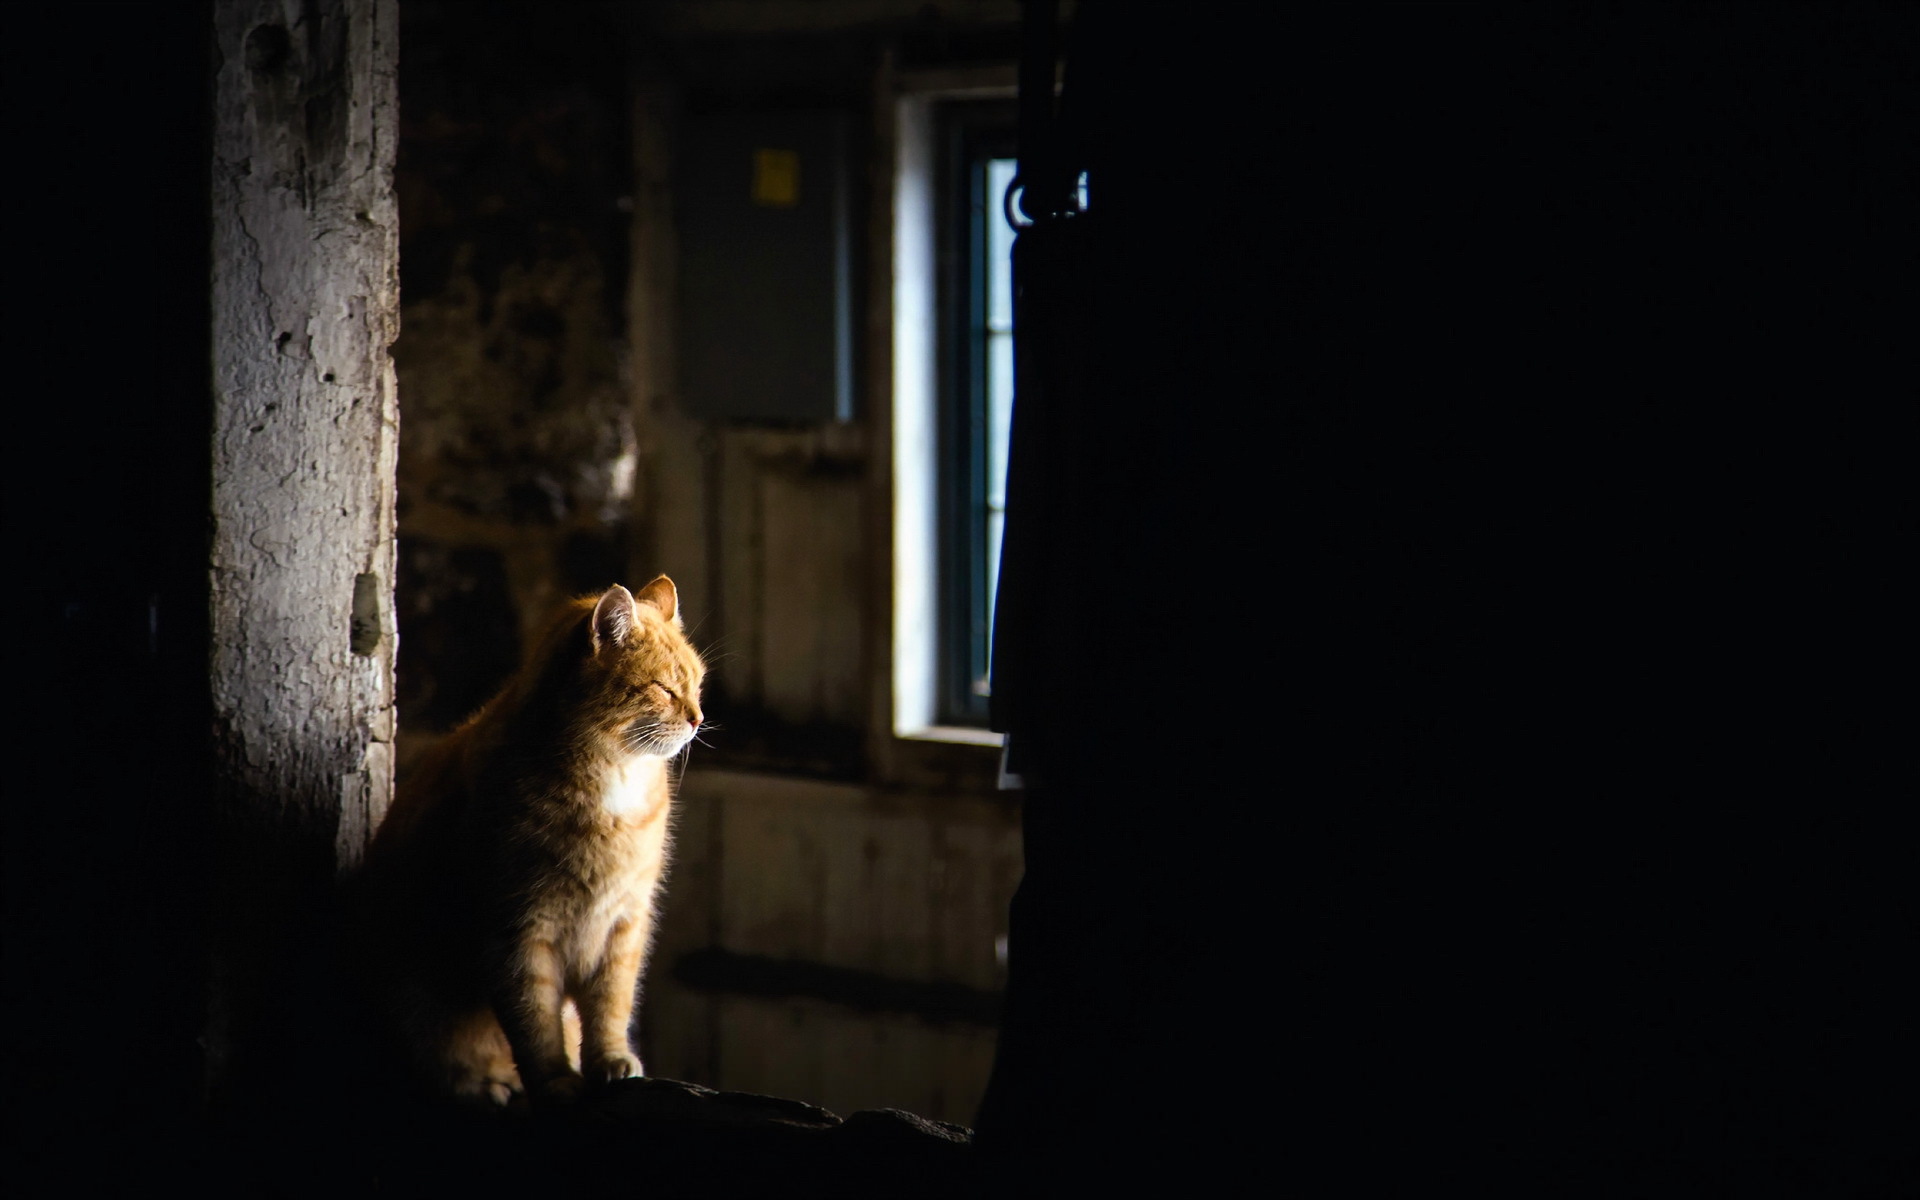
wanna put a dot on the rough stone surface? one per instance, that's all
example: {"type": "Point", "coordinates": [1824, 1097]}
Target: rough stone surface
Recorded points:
{"type": "Point", "coordinates": [517, 468]}
{"type": "Point", "coordinates": [305, 296]}
{"type": "Point", "coordinates": [637, 1134]}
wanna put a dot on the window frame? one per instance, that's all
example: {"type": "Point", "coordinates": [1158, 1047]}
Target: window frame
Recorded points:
{"type": "Point", "coordinates": [915, 381]}
{"type": "Point", "coordinates": [971, 134]}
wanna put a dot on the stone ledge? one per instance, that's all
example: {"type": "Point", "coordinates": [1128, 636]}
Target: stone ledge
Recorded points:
{"type": "Point", "coordinates": [635, 1134]}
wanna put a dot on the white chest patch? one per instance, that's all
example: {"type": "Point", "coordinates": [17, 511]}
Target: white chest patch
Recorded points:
{"type": "Point", "coordinates": [632, 789]}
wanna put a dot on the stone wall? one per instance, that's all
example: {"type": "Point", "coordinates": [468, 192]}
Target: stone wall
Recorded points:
{"type": "Point", "coordinates": [545, 450]}
{"type": "Point", "coordinates": [516, 454]}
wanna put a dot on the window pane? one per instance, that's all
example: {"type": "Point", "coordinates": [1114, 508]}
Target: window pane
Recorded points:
{"type": "Point", "coordinates": [999, 416]}
{"type": "Point", "coordinates": [999, 374]}
{"type": "Point", "coordinates": [999, 245]}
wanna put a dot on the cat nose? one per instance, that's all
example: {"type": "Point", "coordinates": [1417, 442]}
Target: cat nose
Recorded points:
{"type": "Point", "coordinates": [694, 720]}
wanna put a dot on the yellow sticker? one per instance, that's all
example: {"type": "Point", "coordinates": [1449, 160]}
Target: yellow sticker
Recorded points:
{"type": "Point", "coordinates": [776, 178]}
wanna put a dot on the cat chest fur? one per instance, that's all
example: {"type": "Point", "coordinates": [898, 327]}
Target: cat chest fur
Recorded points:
{"type": "Point", "coordinates": [602, 863]}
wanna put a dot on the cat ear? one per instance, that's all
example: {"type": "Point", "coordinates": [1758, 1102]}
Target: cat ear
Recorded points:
{"type": "Point", "coordinates": [613, 617]}
{"type": "Point", "coordinates": [662, 595]}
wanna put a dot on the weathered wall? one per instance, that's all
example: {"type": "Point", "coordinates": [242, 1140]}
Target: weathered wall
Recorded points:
{"type": "Point", "coordinates": [517, 462]}
{"type": "Point", "coordinates": [305, 281]}
{"type": "Point", "coordinates": [833, 924]}
{"type": "Point", "coordinates": [833, 942]}
{"type": "Point", "coordinates": [546, 450]}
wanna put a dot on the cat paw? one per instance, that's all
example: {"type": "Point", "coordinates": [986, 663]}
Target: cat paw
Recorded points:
{"type": "Point", "coordinates": [485, 1092]}
{"type": "Point", "coordinates": [609, 1067]}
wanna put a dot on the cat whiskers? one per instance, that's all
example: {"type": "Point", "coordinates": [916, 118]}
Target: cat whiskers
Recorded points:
{"type": "Point", "coordinates": [717, 648]}
{"type": "Point", "coordinates": [645, 739]}
{"type": "Point", "coordinates": [662, 738]}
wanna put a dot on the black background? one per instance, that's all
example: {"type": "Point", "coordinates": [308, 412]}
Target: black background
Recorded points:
{"type": "Point", "coordinates": [1473, 682]}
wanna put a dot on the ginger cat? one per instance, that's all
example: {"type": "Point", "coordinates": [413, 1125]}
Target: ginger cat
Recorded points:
{"type": "Point", "coordinates": [509, 894]}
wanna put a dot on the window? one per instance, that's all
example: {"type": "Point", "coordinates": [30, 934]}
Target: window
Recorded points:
{"type": "Point", "coordinates": [952, 397]}
{"type": "Point", "coordinates": [952, 400]}
{"type": "Point", "coordinates": [975, 395]}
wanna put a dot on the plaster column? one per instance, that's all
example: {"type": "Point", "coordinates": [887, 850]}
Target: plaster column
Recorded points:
{"type": "Point", "coordinates": [305, 308]}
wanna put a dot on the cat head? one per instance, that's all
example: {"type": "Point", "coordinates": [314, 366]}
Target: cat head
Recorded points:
{"type": "Point", "coordinates": [643, 677]}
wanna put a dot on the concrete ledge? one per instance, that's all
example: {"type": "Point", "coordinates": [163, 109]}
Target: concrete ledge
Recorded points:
{"type": "Point", "coordinates": [633, 1136]}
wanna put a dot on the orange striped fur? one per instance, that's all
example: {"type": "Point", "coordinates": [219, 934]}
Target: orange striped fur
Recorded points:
{"type": "Point", "coordinates": [509, 894]}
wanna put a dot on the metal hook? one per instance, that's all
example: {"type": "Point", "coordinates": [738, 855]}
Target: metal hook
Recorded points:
{"type": "Point", "coordinates": [1007, 208]}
